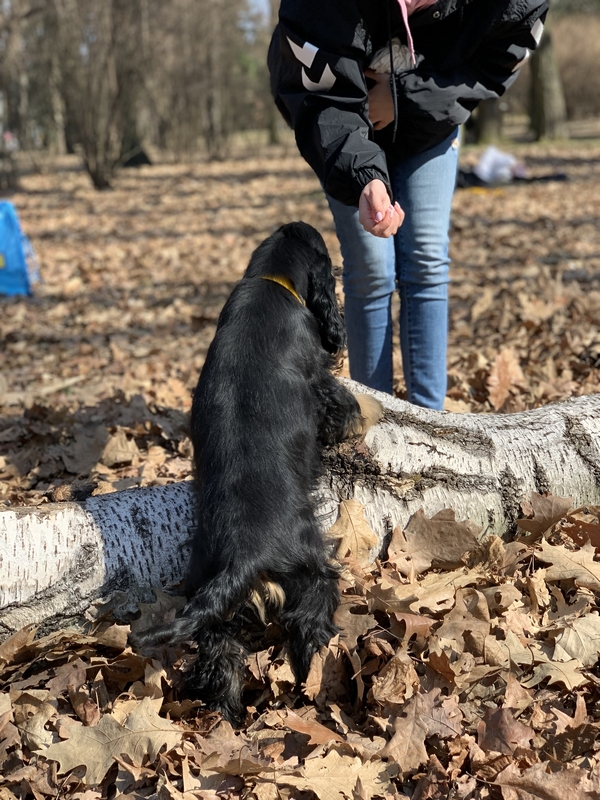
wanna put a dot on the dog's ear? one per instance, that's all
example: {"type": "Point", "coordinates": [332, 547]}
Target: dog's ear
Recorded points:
{"type": "Point", "coordinates": [321, 300]}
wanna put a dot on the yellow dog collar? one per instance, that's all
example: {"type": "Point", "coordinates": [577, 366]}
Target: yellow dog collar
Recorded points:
{"type": "Point", "coordinates": [286, 283]}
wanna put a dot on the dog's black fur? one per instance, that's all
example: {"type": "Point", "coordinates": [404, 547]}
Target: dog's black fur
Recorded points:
{"type": "Point", "coordinates": [265, 403]}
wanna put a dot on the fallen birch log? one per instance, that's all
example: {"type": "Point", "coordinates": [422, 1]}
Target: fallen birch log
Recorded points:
{"type": "Point", "coordinates": [57, 560]}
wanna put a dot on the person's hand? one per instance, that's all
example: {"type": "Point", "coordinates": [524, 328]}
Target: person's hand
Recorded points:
{"type": "Point", "coordinates": [381, 104]}
{"type": "Point", "coordinates": [376, 213]}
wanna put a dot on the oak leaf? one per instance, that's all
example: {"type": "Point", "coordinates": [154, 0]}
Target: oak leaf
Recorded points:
{"type": "Point", "coordinates": [318, 733]}
{"type": "Point", "coordinates": [435, 592]}
{"type": "Point", "coordinates": [335, 777]}
{"type": "Point", "coordinates": [565, 672]}
{"type": "Point", "coordinates": [12, 646]}
{"type": "Point", "coordinates": [468, 624]}
{"type": "Point", "coordinates": [356, 539]}
{"type": "Point", "coordinates": [580, 640]}
{"type": "Point", "coordinates": [539, 782]}
{"type": "Point", "coordinates": [144, 734]}
{"type": "Point", "coordinates": [397, 681]}
{"type": "Point", "coordinates": [578, 565]}
{"type": "Point", "coordinates": [501, 732]}
{"type": "Point", "coordinates": [351, 624]}
{"type": "Point", "coordinates": [439, 542]}
{"type": "Point", "coordinates": [407, 745]}
{"type": "Point", "coordinates": [505, 373]}
{"type": "Point", "coordinates": [120, 450]}
{"type": "Point", "coordinates": [547, 511]}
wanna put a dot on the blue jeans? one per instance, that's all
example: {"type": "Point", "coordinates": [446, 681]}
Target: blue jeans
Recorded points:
{"type": "Point", "coordinates": [417, 259]}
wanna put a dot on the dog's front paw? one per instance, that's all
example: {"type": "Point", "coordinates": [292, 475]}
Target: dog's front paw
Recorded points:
{"type": "Point", "coordinates": [371, 411]}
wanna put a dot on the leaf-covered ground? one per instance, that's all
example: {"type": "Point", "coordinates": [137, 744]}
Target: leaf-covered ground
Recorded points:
{"type": "Point", "coordinates": [98, 367]}
{"type": "Point", "coordinates": [454, 675]}
{"type": "Point", "coordinates": [461, 670]}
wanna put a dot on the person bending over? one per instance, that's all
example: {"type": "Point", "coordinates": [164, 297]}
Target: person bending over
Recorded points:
{"type": "Point", "coordinates": [375, 91]}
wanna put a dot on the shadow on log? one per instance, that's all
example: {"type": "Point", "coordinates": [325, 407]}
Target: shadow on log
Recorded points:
{"type": "Point", "coordinates": [56, 561]}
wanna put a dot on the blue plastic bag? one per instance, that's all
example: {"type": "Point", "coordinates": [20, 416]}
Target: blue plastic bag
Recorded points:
{"type": "Point", "coordinates": [18, 267]}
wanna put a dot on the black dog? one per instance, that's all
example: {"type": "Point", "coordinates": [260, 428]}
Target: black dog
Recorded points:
{"type": "Point", "coordinates": [265, 402]}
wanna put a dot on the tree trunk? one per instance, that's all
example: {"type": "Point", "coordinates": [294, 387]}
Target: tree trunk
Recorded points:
{"type": "Point", "coordinates": [59, 141]}
{"type": "Point", "coordinates": [274, 137]}
{"type": "Point", "coordinates": [488, 121]}
{"type": "Point", "coordinates": [548, 107]}
{"type": "Point", "coordinates": [56, 560]}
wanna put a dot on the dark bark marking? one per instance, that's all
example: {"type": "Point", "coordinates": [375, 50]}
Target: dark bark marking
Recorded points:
{"type": "Point", "coordinates": [584, 446]}
{"type": "Point", "coordinates": [458, 481]}
{"type": "Point", "coordinates": [542, 484]}
{"type": "Point", "coordinates": [510, 493]}
{"type": "Point", "coordinates": [468, 440]}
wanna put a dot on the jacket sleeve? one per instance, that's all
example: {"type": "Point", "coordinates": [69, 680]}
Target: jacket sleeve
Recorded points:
{"type": "Point", "coordinates": [316, 61]}
{"type": "Point", "coordinates": [431, 104]}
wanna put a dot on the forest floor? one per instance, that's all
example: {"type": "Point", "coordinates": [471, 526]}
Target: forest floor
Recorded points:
{"type": "Point", "coordinates": [133, 281]}
{"type": "Point", "coordinates": [96, 377]}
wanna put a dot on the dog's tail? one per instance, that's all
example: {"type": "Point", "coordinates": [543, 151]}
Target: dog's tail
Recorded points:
{"type": "Point", "coordinates": [214, 602]}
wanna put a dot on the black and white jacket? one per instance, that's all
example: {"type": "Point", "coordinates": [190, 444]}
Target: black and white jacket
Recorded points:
{"type": "Point", "coordinates": [468, 50]}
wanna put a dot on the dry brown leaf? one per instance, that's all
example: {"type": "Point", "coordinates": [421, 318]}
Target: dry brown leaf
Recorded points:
{"type": "Point", "coordinates": [120, 450]}
{"type": "Point", "coordinates": [583, 524]}
{"type": "Point", "coordinates": [483, 303]}
{"type": "Point", "coordinates": [435, 592]}
{"type": "Point", "coordinates": [115, 636]}
{"type": "Point", "coordinates": [335, 776]}
{"type": "Point", "coordinates": [281, 676]}
{"type": "Point", "coordinates": [356, 539]}
{"type": "Point", "coordinates": [501, 732]}
{"type": "Point", "coordinates": [578, 565]}
{"type": "Point", "coordinates": [142, 736]}
{"type": "Point", "coordinates": [566, 673]}
{"type": "Point", "coordinates": [541, 783]}
{"type": "Point", "coordinates": [442, 715]}
{"type": "Point", "coordinates": [407, 745]}
{"type": "Point", "coordinates": [85, 708]}
{"type": "Point", "coordinates": [516, 696]}
{"type": "Point", "coordinates": [11, 647]}
{"type": "Point", "coordinates": [328, 679]}
{"type": "Point", "coordinates": [398, 680]}
{"type": "Point", "coordinates": [34, 734]}
{"type": "Point", "coordinates": [439, 542]}
{"type": "Point", "coordinates": [405, 626]}
{"type": "Point", "coordinates": [547, 510]}
{"type": "Point", "coordinates": [73, 674]}
{"type": "Point", "coordinates": [573, 742]}
{"type": "Point", "coordinates": [499, 598]}
{"type": "Point", "coordinates": [353, 625]}
{"type": "Point", "coordinates": [579, 640]}
{"type": "Point", "coordinates": [318, 733]}
{"type": "Point", "coordinates": [467, 625]}
{"type": "Point", "coordinates": [506, 372]}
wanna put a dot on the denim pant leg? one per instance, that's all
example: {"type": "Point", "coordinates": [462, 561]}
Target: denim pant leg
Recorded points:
{"type": "Point", "coordinates": [369, 282]}
{"type": "Point", "coordinates": [424, 186]}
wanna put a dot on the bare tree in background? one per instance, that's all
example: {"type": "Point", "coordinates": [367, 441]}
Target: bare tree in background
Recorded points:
{"type": "Point", "coordinates": [274, 137]}
{"type": "Point", "coordinates": [548, 110]}
{"type": "Point", "coordinates": [97, 42]}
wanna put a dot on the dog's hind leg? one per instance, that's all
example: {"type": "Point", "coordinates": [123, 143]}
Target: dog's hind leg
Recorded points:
{"type": "Point", "coordinates": [312, 597]}
{"type": "Point", "coordinates": [217, 674]}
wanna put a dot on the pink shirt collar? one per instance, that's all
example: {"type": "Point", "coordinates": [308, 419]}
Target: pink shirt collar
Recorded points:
{"type": "Point", "coordinates": [408, 7]}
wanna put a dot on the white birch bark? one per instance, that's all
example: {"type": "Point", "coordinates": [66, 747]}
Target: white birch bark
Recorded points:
{"type": "Point", "coordinates": [56, 560]}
